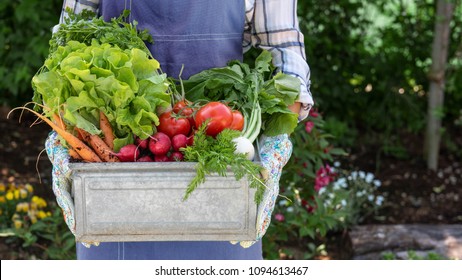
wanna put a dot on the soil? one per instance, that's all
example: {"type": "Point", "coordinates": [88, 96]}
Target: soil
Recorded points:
{"type": "Point", "coordinates": [413, 193]}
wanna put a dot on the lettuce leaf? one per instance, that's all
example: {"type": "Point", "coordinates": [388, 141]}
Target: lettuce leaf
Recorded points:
{"type": "Point", "coordinates": [79, 80]}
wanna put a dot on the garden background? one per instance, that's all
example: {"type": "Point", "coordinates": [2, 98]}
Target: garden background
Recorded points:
{"type": "Point", "coordinates": [364, 156]}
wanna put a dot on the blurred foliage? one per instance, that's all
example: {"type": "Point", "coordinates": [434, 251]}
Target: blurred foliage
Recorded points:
{"type": "Point", "coordinates": [29, 222]}
{"type": "Point", "coordinates": [25, 28]}
{"type": "Point", "coordinates": [317, 196]}
{"type": "Point", "coordinates": [369, 63]}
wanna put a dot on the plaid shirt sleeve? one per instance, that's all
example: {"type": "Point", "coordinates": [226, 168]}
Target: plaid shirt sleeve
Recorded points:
{"type": "Point", "coordinates": [78, 6]}
{"type": "Point", "coordinates": [273, 25]}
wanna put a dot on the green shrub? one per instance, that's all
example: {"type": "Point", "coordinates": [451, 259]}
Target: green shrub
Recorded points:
{"type": "Point", "coordinates": [25, 29]}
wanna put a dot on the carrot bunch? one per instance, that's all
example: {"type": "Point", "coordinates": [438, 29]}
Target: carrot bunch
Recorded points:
{"type": "Point", "coordinates": [82, 146]}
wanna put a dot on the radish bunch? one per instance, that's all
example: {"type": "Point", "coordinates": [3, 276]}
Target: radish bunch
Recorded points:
{"type": "Point", "coordinates": [176, 131]}
{"type": "Point", "coordinates": [159, 147]}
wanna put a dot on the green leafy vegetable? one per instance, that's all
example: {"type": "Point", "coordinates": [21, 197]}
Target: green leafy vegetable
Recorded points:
{"type": "Point", "coordinates": [85, 26]}
{"type": "Point", "coordinates": [262, 97]}
{"type": "Point", "coordinates": [79, 80]}
{"type": "Point", "coordinates": [217, 155]}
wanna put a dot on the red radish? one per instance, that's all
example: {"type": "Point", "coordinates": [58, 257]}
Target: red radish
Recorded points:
{"type": "Point", "coordinates": [128, 153]}
{"type": "Point", "coordinates": [161, 158]}
{"type": "Point", "coordinates": [160, 143]}
{"type": "Point", "coordinates": [142, 144]}
{"type": "Point", "coordinates": [177, 156]}
{"type": "Point", "coordinates": [191, 138]}
{"type": "Point", "coordinates": [179, 141]}
{"type": "Point", "coordinates": [145, 159]}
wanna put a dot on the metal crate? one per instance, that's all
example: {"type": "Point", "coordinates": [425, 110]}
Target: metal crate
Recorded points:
{"type": "Point", "coordinates": [143, 201]}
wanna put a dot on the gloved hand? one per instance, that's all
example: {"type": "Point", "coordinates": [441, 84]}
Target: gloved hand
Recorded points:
{"type": "Point", "coordinates": [59, 157]}
{"type": "Point", "coordinates": [274, 152]}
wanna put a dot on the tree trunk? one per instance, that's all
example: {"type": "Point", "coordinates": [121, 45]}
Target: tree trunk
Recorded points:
{"type": "Point", "coordinates": [444, 13]}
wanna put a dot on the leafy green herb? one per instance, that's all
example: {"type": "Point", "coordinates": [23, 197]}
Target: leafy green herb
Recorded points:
{"type": "Point", "coordinates": [217, 155]}
{"type": "Point", "coordinates": [85, 27]}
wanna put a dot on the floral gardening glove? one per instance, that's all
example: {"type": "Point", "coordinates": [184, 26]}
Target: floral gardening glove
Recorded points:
{"type": "Point", "coordinates": [275, 152]}
{"type": "Point", "coordinates": [59, 157]}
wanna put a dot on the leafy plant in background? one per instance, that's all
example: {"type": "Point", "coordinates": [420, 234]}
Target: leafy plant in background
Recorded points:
{"type": "Point", "coordinates": [316, 198]}
{"type": "Point", "coordinates": [413, 255]}
{"type": "Point", "coordinates": [355, 192]}
{"type": "Point", "coordinates": [19, 208]}
{"type": "Point", "coordinates": [25, 27]}
{"type": "Point", "coordinates": [369, 64]}
{"type": "Point", "coordinates": [28, 220]}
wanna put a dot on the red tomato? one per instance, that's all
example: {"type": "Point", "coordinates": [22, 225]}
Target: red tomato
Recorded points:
{"type": "Point", "coordinates": [181, 107]}
{"type": "Point", "coordinates": [219, 114]}
{"type": "Point", "coordinates": [173, 126]}
{"type": "Point", "coordinates": [238, 121]}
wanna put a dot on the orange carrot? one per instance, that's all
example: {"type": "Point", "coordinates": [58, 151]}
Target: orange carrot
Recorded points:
{"type": "Point", "coordinates": [85, 152]}
{"type": "Point", "coordinates": [99, 146]}
{"type": "Point", "coordinates": [59, 121]}
{"type": "Point", "coordinates": [74, 154]}
{"type": "Point", "coordinates": [106, 127]}
{"type": "Point", "coordinates": [78, 134]}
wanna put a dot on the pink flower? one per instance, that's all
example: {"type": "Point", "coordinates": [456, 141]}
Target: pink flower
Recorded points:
{"type": "Point", "coordinates": [314, 113]}
{"type": "Point", "coordinates": [279, 217]}
{"type": "Point", "coordinates": [321, 182]}
{"type": "Point", "coordinates": [309, 125]}
{"type": "Point", "coordinates": [324, 176]}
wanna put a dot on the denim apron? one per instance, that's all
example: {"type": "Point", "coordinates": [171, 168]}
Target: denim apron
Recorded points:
{"type": "Point", "coordinates": [198, 35]}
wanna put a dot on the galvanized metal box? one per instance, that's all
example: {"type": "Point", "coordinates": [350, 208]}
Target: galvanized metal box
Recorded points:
{"type": "Point", "coordinates": [143, 201]}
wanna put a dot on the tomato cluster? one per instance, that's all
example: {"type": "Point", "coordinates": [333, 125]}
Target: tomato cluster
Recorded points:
{"type": "Point", "coordinates": [176, 130]}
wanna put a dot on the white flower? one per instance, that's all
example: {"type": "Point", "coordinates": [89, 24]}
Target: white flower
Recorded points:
{"type": "Point", "coordinates": [321, 191]}
{"type": "Point", "coordinates": [343, 202]}
{"type": "Point", "coordinates": [327, 203]}
{"type": "Point", "coordinates": [354, 175]}
{"type": "Point", "coordinates": [369, 177]}
{"type": "Point", "coordinates": [362, 174]}
{"type": "Point", "coordinates": [337, 163]}
{"type": "Point", "coordinates": [290, 209]}
{"type": "Point", "coordinates": [342, 182]}
{"type": "Point", "coordinates": [377, 183]}
{"type": "Point", "coordinates": [379, 200]}
{"type": "Point", "coordinates": [370, 197]}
